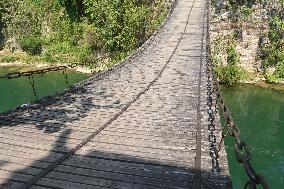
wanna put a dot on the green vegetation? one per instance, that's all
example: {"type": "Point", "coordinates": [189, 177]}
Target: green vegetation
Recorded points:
{"type": "Point", "coordinates": [262, 19]}
{"type": "Point", "coordinates": [275, 50]}
{"type": "Point", "coordinates": [226, 61]}
{"type": "Point", "coordinates": [31, 44]}
{"type": "Point", "coordinates": [9, 58]}
{"type": "Point", "coordinates": [77, 31]}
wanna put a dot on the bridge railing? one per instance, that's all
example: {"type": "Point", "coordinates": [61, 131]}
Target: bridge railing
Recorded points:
{"type": "Point", "coordinates": [30, 74]}
{"type": "Point", "coordinates": [241, 149]}
{"type": "Point", "coordinates": [14, 75]}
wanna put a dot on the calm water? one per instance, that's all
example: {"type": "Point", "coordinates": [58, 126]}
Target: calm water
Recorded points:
{"type": "Point", "coordinates": [16, 92]}
{"type": "Point", "coordinates": [259, 113]}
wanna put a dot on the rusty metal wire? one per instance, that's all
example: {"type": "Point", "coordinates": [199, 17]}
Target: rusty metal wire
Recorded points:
{"type": "Point", "coordinates": [241, 149]}
{"type": "Point", "coordinates": [14, 75]}
{"type": "Point", "coordinates": [65, 77]}
{"type": "Point", "coordinates": [30, 74]}
{"type": "Point", "coordinates": [32, 83]}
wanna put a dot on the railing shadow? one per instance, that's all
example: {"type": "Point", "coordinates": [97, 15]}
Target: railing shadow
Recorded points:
{"type": "Point", "coordinates": [52, 113]}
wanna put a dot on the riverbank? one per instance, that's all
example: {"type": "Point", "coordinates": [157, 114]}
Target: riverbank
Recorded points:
{"type": "Point", "coordinates": [19, 66]}
{"type": "Point", "coordinates": [259, 80]}
{"type": "Point", "coordinates": [255, 78]}
{"type": "Point", "coordinates": [276, 87]}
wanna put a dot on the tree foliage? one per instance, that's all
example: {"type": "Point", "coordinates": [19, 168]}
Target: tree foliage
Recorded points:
{"type": "Point", "coordinates": [79, 30]}
{"type": "Point", "coordinates": [275, 50]}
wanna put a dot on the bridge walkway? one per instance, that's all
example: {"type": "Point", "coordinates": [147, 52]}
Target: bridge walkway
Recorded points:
{"type": "Point", "coordinates": [143, 124]}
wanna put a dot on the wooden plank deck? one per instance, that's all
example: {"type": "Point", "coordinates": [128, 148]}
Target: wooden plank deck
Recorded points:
{"type": "Point", "coordinates": [142, 125]}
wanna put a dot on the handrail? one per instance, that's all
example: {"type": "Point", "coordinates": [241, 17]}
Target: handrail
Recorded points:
{"type": "Point", "coordinates": [241, 150]}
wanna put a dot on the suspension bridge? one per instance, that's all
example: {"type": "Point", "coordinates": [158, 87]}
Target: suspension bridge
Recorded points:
{"type": "Point", "coordinates": [149, 122]}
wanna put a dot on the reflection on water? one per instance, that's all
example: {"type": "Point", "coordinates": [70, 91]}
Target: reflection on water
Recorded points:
{"type": "Point", "coordinates": [16, 92]}
{"type": "Point", "coordinates": [259, 113]}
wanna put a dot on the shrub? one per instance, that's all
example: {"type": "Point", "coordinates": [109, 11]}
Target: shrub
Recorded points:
{"type": "Point", "coordinates": [230, 74]}
{"type": "Point", "coordinates": [233, 57]}
{"type": "Point", "coordinates": [275, 48]}
{"type": "Point", "coordinates": [277, 75]}
{"type": "Point", "coordinates": [279, 72]}
{"type": "Point", "coordinates": [8, 58]}
{"type": "Point", "coordinates": [32, 44]}
{"type": "Point", "coordinates": [271, 78]}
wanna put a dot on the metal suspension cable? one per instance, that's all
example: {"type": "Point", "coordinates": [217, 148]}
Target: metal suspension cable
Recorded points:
{"type": "Point", "coordinates": [241, 149]}
{"type": "Point", "coordinates": [32, 83]}
{"type": "Point", "coordinates": [14, 75]}
{"type": "Point", "coordinates": [30, 74]}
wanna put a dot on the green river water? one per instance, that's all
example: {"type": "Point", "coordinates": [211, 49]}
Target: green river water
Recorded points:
{"type": "Point", "coordinates": [15, 92]}
{"type": "Point", "coordinates": [259, 113]}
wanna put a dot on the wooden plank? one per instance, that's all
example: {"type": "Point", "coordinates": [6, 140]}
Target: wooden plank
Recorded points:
{"type": "Point", "coordinates": [43, 187]}
{"type": "Point", "coordinates": [140, 156]}
{"type": "Point", "coordinates": [23, 161]}
{"type": "Point", "coordinates": [29, 152]}
{"type": "Point", "coordinates": [19, 177]}
{"type": "Point", "coordinates": [33, 144]}
{"type": "Point", "coordinates": [170, 173]}
{"type": "Point", "coordinates": [20, 168]}
{"type": "Point", "coordinates": [122, 162]}
{"type": "Point", "coordinates": [34, 131]}
{"type": "Point", "coordinates": [151, 144]}
{"type": "Point", "coordinates": [133, 131]}
{"type": "Point", "coordinates": [35, 136]}
{"type": "Point", "coordinates": [161, 154]}
{"type": "Point", "coordinates": [94, 174]}
{"type": "Point", "coordinates": [99, 181]}
{"type": "Point", "coordinates": [153, 138]}
{"type": "Point", "coordinates": [55, 183]}
{"type": "Point", "coordinates": [9, 185]}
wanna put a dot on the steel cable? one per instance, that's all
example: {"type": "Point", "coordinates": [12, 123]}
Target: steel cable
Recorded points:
{"type": "Point", "coordinates": [14, 75]}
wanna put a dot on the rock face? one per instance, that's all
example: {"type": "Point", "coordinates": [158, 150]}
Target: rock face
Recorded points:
{"type": "Point", "coordinates": [248, 44]}
{"type": "Point", "coordinates": [143, 124]}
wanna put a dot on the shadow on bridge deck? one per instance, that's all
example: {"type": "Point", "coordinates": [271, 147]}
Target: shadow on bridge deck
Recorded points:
{"type": "Point", "coordinates": [68, 108]}
{"type": "Point", "coordinates": [89, 168]}
{"type": "Point", "coordinates": [99, 169]}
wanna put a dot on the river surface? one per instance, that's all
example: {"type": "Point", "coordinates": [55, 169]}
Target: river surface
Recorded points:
{"type": "Point", "coordinates": [16, 92]}
{"type": "Point", "coordinates": [259, 113]}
